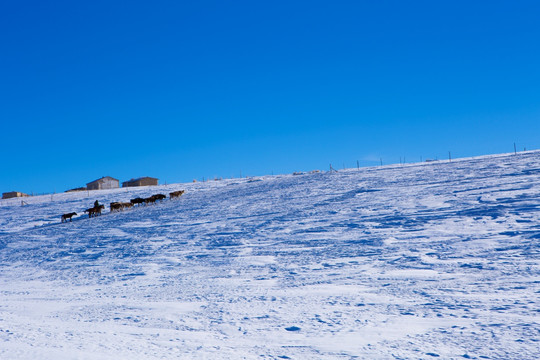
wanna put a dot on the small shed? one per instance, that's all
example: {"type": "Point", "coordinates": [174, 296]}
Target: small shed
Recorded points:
{"type": "Point", "coordinates": [142, 181]}
{"type": "Point", "coordinates": [13, 194]}
{"type": "Point", "coordinates": [105, 182]}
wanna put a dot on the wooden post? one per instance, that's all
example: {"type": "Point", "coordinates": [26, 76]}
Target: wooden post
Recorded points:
{"type": "Point", "coordinates": [515, 151]}
{"type": "Point", "coordinates": [449, 156]}
{"type": "Point", "coordinates": [357, 164]}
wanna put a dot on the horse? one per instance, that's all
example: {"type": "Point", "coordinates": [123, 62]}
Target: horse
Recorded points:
{"type": "Point", "coordinates": [159, 196]}
{"type": "Point", "coordinates": [126, 205]}
{"type": "Point", "coordinates": [95, 211]}
{"type": "Point", "coordinates": [116, 206]}
{"type": "Point", "coordinates": [176, 194]}
{"type": "Point", "coordinates": [68, 216]}
{"type": "Point", "coordinates": [137, 201]}
{"type": "Point", "coordinates": [150, 200]}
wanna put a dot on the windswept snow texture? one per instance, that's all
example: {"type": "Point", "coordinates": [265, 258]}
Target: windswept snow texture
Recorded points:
{"type": "Point", "coordinates": [434, 260]}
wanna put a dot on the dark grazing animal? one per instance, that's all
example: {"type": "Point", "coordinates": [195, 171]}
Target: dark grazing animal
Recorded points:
{"type": "Point", "coordinates": [150, 200]}
{"type": "Point", "coordinates": [68, 216]}
{"type": "Point", "coordinates": [176, 194]}
{"type": "Point", "coordinates": [95, 211]}
{"type": "Point", "coordinates": [115, 206]}
{"type": "Point", "coordinates": [137, 201]}
{"type": "Point", "coordinates": [126, 205]}
{"type": "Point", "coordinates": [159, 196]}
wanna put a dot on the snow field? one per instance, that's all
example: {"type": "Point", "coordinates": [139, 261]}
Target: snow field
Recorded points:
{"type": "Point", "coordinates": [407, 262]}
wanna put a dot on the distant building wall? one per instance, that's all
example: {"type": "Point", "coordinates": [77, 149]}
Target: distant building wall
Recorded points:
{"type": "Point", "coordinates": [144, 181]}
{"type": "Point", "coordinates": [13, 194]}
{"type": "Point", "coordinates": [106, 182]}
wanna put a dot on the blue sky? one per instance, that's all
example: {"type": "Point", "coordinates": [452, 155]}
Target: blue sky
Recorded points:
{"type": "Point", "coordinates": [182, 90]}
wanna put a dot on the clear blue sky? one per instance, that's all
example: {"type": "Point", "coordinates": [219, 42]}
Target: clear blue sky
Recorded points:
{"type": "Point", "coordinates": [184, 89]}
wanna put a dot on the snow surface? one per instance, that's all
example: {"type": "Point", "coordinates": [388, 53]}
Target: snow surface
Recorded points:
{"type": "Point", "coordinates": [418, 261]}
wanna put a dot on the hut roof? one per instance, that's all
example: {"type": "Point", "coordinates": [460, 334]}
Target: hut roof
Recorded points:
{"type": "Point", "coordinates": [101, 179]}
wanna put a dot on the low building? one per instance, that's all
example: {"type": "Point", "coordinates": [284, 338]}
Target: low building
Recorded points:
{"type": "Point", "coordinates": [105, 182]}
{"type": "Point", "coordinates": [13, 194]}
{"type": "Point", "coordinates": [142, 181]}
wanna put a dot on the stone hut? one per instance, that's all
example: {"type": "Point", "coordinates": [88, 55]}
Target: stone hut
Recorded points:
{"type": "Point", "coordinates": [105, 182]}
{"type": "Point", "coordinates": [142, 181]}
{"type": "Point", "coordinates": [13, 194]}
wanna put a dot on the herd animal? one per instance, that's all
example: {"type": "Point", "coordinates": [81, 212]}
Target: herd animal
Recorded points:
{"type": "Point", "coordinates": [118, 206]}
{"type": "Point", "coordinates": [152, 199]}
{"type": "Point", "coordinates": [137, 201]}
{"type": "Point", "coordinates": [94, 211]}
{"type": "Point", "coordinates": [67, 216]}
{"type": "Point", "coordinates": [176, 194]}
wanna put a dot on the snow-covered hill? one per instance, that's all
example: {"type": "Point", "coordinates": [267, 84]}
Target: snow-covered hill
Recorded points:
{"type": "Point", "coordinates": [412, 262]}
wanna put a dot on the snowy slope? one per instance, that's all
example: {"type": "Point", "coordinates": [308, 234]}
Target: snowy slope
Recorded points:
{"type": "Point", "coordinates": [410, 262]}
